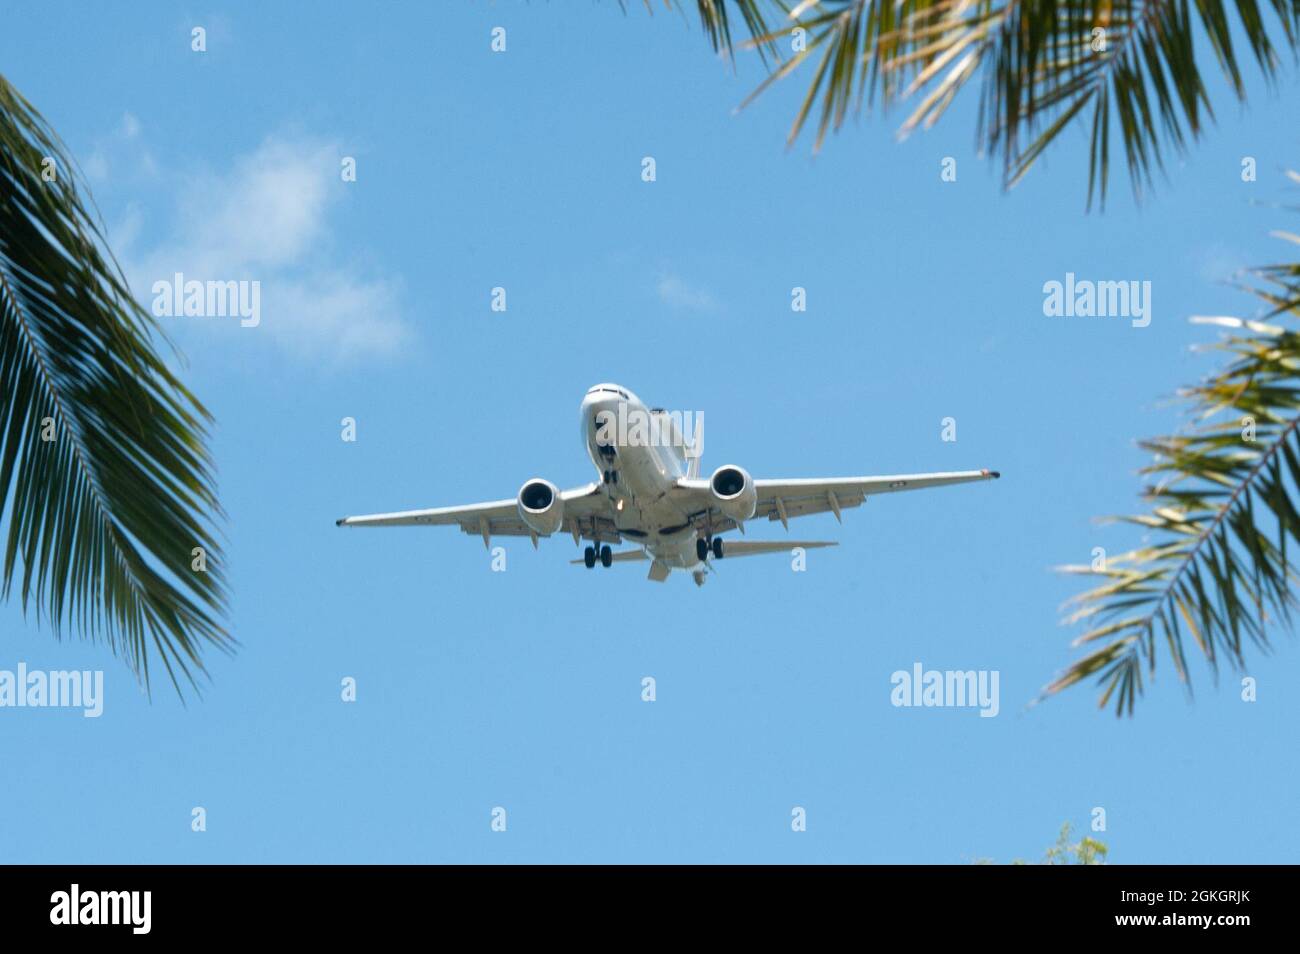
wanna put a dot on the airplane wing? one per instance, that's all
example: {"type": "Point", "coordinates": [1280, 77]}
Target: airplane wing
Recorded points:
{"type": "Point", "coordinates": [798, 497]}
{"type": "Point", "coordinates": [782, 499]}
{"type": "Point", "coordinates": [586, 514]}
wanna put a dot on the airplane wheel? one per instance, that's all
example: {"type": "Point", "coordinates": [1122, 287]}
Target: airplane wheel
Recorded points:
{"type": "Point", "coordinates": [701, 549]}
{"type": "Point", "coordinates": [589, 557]}
{"type": "Point", "coordinates": [717, 548]}
{"type": "Point", "coordinates": [606, 556]}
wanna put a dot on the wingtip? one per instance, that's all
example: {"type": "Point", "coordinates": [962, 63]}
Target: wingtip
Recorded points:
{"type": "Point", "coordinates": [341, 521]}
{"type": "Point", "coordinates": [992, 473]}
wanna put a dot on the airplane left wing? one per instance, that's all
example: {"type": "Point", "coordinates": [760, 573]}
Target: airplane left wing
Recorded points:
{"type": "Point", "coordinates": [782, 499]}
{"type": "Point", "coordinates": [798, 497]}
{"type": "Point", "coordinates": [586, 514]}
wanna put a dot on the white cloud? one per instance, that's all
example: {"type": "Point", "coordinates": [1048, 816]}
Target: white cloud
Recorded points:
{"type": "Point", "coordinates": [337, 319]}
{"type": "Point", "coordinates": [266, 213]}
{"type": "Point", "coordinates": [267, 219]}
{"type": "Point", "coordinates": [675, 292]}
{"type": "Point", "coordinates": [121, 154]}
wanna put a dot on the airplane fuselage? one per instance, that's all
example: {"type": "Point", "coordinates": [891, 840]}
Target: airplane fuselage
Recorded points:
{"type": "Point", "coordinates": [640, 453]}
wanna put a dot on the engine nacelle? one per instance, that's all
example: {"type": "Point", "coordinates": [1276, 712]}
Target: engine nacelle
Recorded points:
{"type": "Point", "coordinates": [734, 491]}
{"type": "Point", "coordinates": [540, 506]}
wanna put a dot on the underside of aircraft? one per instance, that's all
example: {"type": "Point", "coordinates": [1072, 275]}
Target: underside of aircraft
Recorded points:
{"type": "Point", "coordinates": [650, 494]}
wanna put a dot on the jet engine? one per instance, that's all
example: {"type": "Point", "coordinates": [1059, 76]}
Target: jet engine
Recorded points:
{"type": "Point", "coordinates": [540, 506]}
{"type": "Point", "coordinates": [734, 491]}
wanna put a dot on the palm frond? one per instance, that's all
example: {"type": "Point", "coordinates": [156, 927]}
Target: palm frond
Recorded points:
{"type": "Point", "coordinates": [1224, 521]}
{"type": "Point", "coordinates": [1122, 65]}
{"type": "Point", "coordinates": [869, 51]}
{"type": "Point", "coordinates": [1128, 64]}
{"type": "Point", "coordinates": [716, 21]}
{"type": "Point", "coordinates": [106, 479]}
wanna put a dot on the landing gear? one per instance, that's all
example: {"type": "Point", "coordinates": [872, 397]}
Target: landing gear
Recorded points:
{"type": "Point", "coordinates": [610, 476]}
{"type": "Point", "coordinates": [589, 557]}
{"type": "Point", "coordinates": [606, 556]}
{"type": "Point", "coordinates": [703, 547]}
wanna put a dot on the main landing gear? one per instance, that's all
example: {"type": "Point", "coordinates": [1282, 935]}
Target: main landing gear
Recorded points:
{"type": "Point", "coordinates": [604, 554]}
{"type": "Point", "coordinates": [703, 547]}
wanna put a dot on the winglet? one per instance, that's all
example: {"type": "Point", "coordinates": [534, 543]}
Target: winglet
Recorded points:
{"type": "Point", "coordinates": [991, 473]}
{"type": "Point", "coordinates": [341, 521]}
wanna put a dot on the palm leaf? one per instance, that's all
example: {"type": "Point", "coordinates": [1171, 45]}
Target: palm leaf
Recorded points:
{"type": "Point", "coordinates": [716, 21]}
{"type": "Point", "coordinates": [1219, 565]}
{"type": "Point", "coordinates": [107, 481]}
{"type": "Point", "coordinates": [1126, 64]}
{"type": "Point", "coordinates": [1131, 63]}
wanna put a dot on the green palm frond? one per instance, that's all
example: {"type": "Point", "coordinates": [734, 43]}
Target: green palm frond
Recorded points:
{"type": "Point", "coordinates": [1223, 528]}
{"type": "Point", "coordinates": [1121, 66]}
{"type": "Point", "coordinates": [716, 20]}
{"type": "Point", "coordinates": [869, 52]}
{"type": "Point", "coordinates": [107, 482]}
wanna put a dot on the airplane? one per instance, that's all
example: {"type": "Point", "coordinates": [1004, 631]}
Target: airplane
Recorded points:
{"type": "Point", "coordinates": [650, 493]}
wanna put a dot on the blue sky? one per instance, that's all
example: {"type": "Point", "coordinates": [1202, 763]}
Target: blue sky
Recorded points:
{"type": "Point", "coordinates": [522, 689]}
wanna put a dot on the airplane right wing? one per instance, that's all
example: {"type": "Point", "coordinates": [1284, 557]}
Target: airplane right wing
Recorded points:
{"type": "Point", "coordinates": [586, 514]}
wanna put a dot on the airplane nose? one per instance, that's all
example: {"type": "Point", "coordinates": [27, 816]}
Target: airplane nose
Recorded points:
{"type": "Point", "coordinates": [591, 406]}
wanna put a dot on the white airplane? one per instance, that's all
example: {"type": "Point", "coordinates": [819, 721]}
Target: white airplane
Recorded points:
{"type": "Point", "coordinates": [651, 494]}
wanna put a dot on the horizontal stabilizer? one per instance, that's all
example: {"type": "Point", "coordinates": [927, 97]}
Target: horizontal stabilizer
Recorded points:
{"type": "Point", "coordinates": [623, 556]}
{"type": "Point", "coordinates": [738, 548]}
